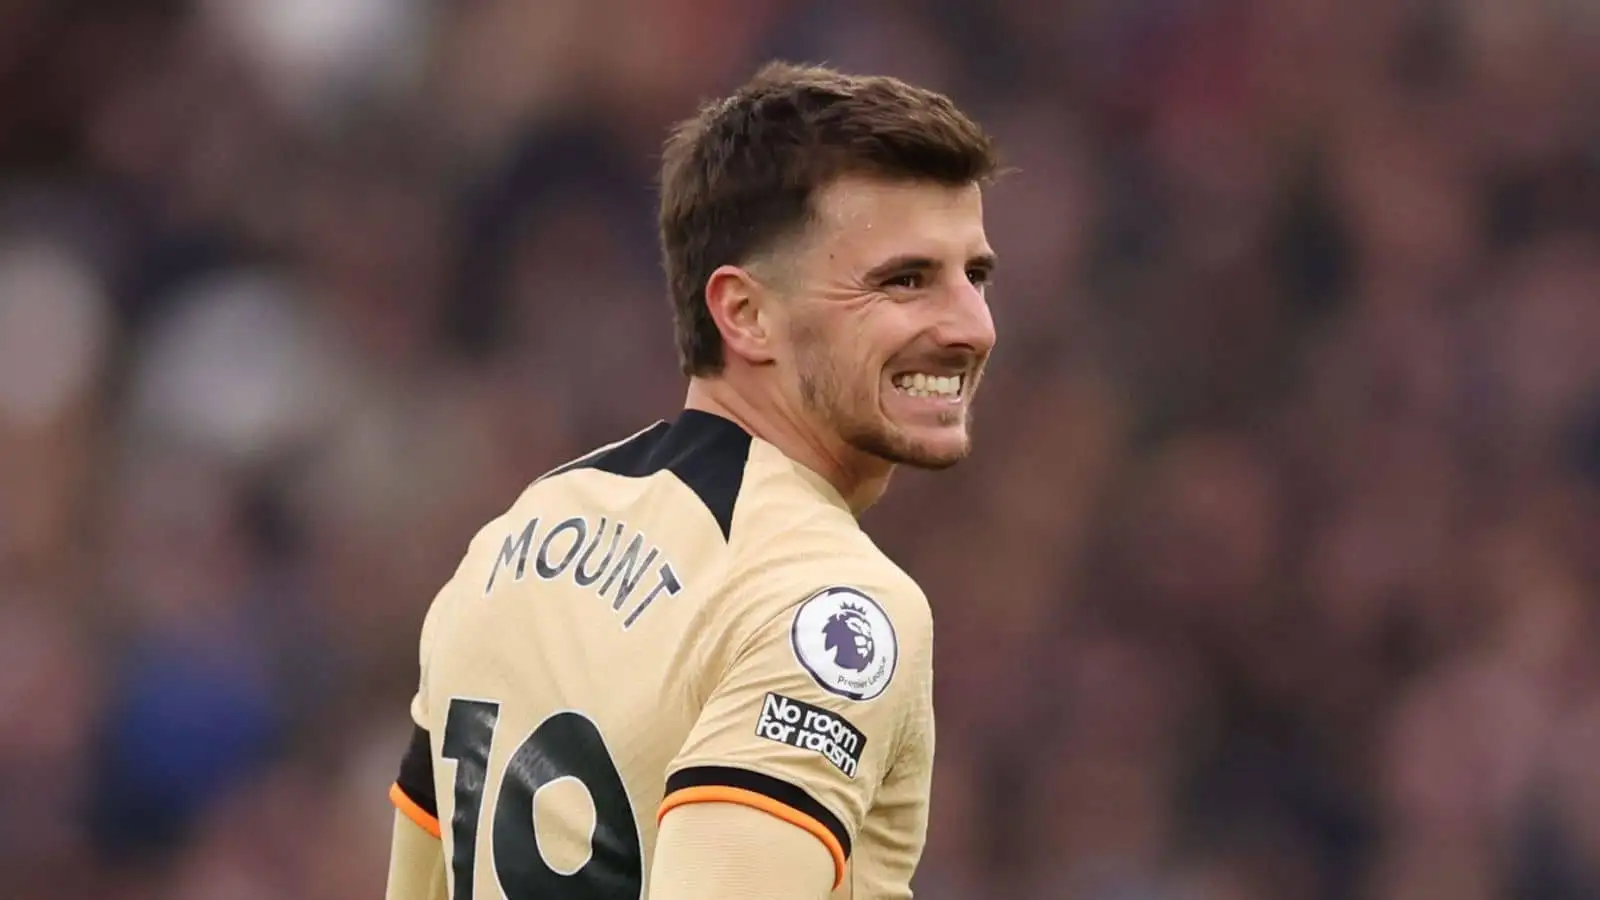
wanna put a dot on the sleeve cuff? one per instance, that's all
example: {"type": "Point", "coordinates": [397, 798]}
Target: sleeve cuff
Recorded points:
{"type": "Point", "coordinates": [411, 810]}
{"type": "Point", "coordinates": [412, 792]}
{"type": "Point", "coordinates": [721, 784]}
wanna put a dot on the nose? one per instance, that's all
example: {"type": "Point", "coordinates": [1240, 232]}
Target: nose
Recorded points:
{"type": "Point", "coordinates": [965, 321]}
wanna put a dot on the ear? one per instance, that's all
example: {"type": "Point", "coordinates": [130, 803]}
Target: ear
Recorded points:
{"type": "Point", "coordinates": [740, 306]}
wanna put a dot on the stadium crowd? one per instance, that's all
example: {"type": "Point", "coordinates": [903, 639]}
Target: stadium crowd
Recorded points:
{"type": "Point", "coordinates": [1274, 575]}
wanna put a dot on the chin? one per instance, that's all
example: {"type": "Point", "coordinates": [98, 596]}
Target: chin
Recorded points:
{"type": "Point", "coordinates": [935, 457]}
{"type": "Point", "coordinates": [930, 452]}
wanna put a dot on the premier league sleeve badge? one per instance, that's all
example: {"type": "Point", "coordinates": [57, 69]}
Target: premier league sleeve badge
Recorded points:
{"type": "Point", "coordinates": [845, 640]}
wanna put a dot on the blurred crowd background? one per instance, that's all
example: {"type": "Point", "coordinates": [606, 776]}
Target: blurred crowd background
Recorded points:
{"type": "Point", "coordinates": [1274, 575]}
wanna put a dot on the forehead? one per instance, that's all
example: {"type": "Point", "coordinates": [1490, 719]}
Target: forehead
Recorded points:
{"type": "Point", "coordinates": [860, 219]}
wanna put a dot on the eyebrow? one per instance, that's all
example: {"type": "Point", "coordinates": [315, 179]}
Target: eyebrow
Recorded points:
{"type": "Point", "coordinates": [913, 263]}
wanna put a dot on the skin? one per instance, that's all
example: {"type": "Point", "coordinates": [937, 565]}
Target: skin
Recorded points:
{"type": "Point", "coordinates": [887, 279]}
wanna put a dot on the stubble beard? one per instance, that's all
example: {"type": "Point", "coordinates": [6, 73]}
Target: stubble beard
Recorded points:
{"type": "Point", "coordinates": [854, 415]}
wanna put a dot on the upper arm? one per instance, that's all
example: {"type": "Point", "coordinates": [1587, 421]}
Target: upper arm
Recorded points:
{"type": "Point", "coordinates": [894, 834]}
{"type": "Point", "coordinates": [416, 855]}
{"type": "Point", "coordinates": [416, 863]}
{"type": "Point", "coordinates": [727, 851]}
{"type": "Point", "coordinates": [413, 792]}
{"type": "Point", "coordinates": [811, 711]}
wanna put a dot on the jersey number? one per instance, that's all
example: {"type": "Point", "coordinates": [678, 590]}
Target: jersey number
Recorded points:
{"type": "Point", "coordinates": [566, 745]}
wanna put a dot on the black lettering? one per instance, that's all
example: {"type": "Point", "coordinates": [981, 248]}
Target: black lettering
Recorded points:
{"type": "Point", "coordinates": [468, 731]}
{"type": "Point", "coordinates": [581, 561]}
{"type": "Point", "coordinates": [627, 573]}
{"type": "Point", "coordinates": [541, 563]}
{"type": "Point", "coordinates": [566, 745]}
{"type": "Point", "coordinates": [669, 583]}
{"type": "Point", "coordinates": [515, 549]}
{"type": "Point", "coordinates": [584, 576]}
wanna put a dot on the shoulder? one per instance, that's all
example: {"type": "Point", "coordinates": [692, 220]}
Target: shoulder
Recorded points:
{"type": "Point", "coordinates": [798, 548]}
{"type": "Point", "coordinates": [850, 616]}
{"type": "Point", "coordinates": [793, 546]}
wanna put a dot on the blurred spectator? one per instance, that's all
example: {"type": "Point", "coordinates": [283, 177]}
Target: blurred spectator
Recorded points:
{"type": "Point", "coordinates": [1274, 575]}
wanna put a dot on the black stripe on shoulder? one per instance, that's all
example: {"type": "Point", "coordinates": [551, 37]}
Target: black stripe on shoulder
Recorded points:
{"type": "Point", "coordinates": [782, 791]}
{"type": "Point", "coordinates": [706, 452]}
{"type": "Point", "coordinates": [416, 773]}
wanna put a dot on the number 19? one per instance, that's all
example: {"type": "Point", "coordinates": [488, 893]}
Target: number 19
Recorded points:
{"type": "Point", "coordinates": [565, 745]}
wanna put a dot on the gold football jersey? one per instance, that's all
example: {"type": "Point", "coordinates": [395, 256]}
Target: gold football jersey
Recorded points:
{"type": "Point", "coordinates": [685, 616]}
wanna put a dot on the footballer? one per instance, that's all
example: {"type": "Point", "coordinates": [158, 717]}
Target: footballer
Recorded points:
{"type": "Point", "coordinates": [677, 668]}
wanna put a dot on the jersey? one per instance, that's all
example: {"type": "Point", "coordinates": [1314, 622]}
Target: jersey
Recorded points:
{"type": "Point", "coordinates": [682, 617]}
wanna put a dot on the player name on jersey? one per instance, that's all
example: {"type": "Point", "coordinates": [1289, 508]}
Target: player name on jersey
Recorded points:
{"type": "Point", "coordinates": [568, 550]}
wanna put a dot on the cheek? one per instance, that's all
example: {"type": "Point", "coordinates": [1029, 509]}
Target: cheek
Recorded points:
{"type": "Point", "coordinates": [843, 350]}
{"type": "Point", "coordinates": [868, 344]}
{"type": "Point", "coordinates": [850, 352]}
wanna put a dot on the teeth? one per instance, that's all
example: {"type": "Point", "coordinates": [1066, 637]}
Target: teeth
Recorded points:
{"type": "Point", "coordinates": [923, 385]}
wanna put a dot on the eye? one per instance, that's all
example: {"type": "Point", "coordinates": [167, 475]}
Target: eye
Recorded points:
{"type": "Point", "coordinates": [907, 280]}
{"type": "Point", "coordinates": [980, 276]}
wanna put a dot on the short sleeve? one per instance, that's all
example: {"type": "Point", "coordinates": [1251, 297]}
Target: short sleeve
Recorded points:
{"type": "Point", "coordinates": [811, 710]}
{"type": "Point", "coordinates": [413, 790]}
{"type": "Point", "coordinates": [419, 700]}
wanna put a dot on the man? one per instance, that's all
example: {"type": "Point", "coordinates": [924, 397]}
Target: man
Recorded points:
{"type": "Point", "coordinates": [677, 663]}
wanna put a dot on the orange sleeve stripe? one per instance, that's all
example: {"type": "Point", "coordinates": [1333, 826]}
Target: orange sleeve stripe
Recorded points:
{"type": "Point", "coordinates": [412, 811]}
{"type": "Point", "coordinates": [710, 793]}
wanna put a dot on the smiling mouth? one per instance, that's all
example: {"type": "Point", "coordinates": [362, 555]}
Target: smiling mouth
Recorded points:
{"type": "Point", "coordinates": [923, 384]}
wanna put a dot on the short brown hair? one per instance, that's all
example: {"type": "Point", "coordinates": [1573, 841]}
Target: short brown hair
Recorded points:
{"type": "Point", "coordinates": [741, 174]}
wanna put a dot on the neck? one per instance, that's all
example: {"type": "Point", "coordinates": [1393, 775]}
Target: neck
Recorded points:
{"type": "Point", "coordinates": [859, 479]}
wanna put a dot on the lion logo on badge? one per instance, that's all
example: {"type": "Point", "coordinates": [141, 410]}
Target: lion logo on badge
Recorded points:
{"type": "Point", "coordinates": [849, 635]}
{"type": "Point", "coordinates": [845, 640]}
